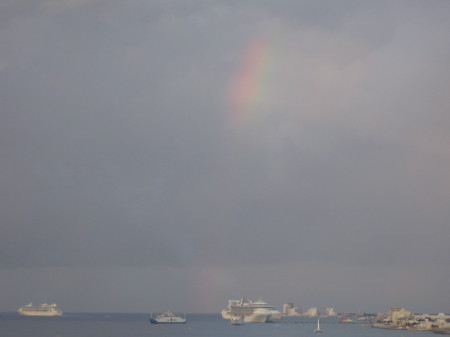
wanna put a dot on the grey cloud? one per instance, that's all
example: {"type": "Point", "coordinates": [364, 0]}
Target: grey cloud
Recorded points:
{"type": "Point", "coordinates": [118, 151]}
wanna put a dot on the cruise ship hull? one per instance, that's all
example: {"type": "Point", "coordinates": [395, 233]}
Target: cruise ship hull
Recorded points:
{"type": "Point", "coordinates": [257, 318]}
{"type": "Point", "coordinates": [248, 318]}
{"type": "Point", "coordinates": [38, 313]}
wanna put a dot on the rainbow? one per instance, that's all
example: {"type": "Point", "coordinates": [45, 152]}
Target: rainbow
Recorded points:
{"type": "Point", "coordinates": [246, 90]}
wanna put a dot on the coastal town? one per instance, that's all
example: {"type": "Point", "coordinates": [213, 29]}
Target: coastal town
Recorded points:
{"type": "Point", "coordinates": [397, 318]}
{"type": "Point", "coordinates": [403, 319]}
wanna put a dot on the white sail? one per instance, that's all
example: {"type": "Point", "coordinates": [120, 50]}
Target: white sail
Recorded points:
{"type": "Point", "coordinates": [318, 326]}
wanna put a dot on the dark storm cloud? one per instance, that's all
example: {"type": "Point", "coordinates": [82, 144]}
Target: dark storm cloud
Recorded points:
{"type": "Point", "coordinates": [118, 148]}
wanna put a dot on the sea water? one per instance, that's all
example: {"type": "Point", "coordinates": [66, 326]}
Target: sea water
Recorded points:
{"type": "Point", "coordinates": [137, 325]}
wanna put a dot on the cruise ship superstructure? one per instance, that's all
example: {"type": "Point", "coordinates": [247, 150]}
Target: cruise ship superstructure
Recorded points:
{"type": "Point", "coordinates": [251, 312]}
{"type": "Point", "coordinates": [40, 310]}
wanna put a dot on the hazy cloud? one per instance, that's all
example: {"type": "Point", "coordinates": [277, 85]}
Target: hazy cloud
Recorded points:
{"type": "Point", "coordinates": [121, 157]}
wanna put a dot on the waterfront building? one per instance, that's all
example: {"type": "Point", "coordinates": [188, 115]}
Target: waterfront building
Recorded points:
{"type": "Point", "coordinates": [287, 308]}
{"type": "Point", "coordinates": [429, 322]}
{"type": "Point", "coordinates": [290, 310]}
{"type": "Point", "coordinates": [397, 314]}
{"type": "Point", "coordinates": [311, 312]}
{"type": "Point", "coordinates": [330, 312]}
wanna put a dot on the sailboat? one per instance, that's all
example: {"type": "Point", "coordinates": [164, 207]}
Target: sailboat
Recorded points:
{"type": "Point", "coordinates": [318, 326]}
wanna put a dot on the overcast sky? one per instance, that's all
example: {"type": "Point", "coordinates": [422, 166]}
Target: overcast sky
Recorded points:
{"type": "Point", "coordinates": [161, 154]}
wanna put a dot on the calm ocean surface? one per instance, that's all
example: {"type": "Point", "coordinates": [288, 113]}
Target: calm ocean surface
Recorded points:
{"type": "Point", "coordinates": [137, 325]}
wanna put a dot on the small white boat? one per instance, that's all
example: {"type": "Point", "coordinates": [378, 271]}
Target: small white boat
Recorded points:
{"type": "Point", "coordinates": [237, 321]}
{"type": "Point", "coordinates": [318, 327]}
{"type": "Point", "coordinates": [167, 318]}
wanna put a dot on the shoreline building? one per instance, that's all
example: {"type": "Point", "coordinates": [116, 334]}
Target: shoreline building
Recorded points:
{"type": "Point", "coordinates": [311, 312]}
{"type": "Point", "coordinates": [330, 312]}
{"type": "Point", "coordinates": [397, 314]}
{"type": "Point", "coordinates": [290, 310]}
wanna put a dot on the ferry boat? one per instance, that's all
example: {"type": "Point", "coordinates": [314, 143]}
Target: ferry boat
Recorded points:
{"type": "Point", "coordinates": [40, 310]}
{"type": "Point", "coordinates": [251, 312]}
{"type": "Point", "coordinates": [167, 318]}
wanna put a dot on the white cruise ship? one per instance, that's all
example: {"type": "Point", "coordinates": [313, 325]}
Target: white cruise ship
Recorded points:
{"type": "Point", "coordinates": [252, 312]}
{"type": "Point", "coordinates": [40, 310]}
